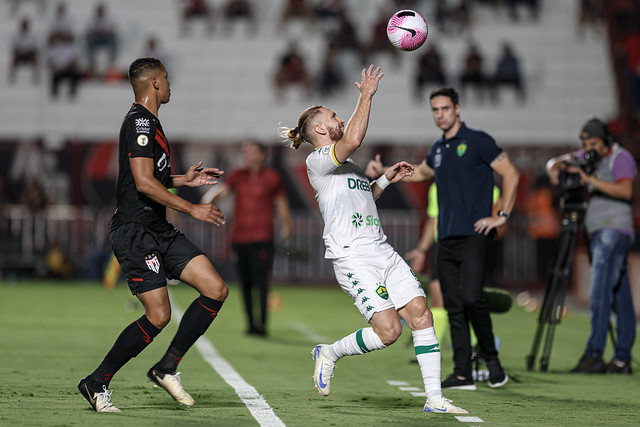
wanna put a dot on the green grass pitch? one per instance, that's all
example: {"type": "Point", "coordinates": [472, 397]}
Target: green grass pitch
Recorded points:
{"type": "Point", "coordinates": [53, 334]}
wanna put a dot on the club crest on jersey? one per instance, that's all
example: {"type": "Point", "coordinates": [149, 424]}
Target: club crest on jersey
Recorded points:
{"type": "Point", "coordinates": [461, 149]}
{"type": "Point", "coordinates": [143, 140]}
{"type": "Point", "coordinates": [153, 263]}
{"type": "Point", "coordinates": [382, 292]}
{"type": "Point", "coordinates": [142, 125]}
{"type": "Point", "coordinates": [326, 150]}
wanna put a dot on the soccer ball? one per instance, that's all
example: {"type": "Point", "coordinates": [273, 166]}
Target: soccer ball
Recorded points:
{"type": "Point", "coordinates": [407, 30]}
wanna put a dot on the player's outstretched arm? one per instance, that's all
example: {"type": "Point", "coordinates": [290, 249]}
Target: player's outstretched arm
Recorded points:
{"type": "Point", "coordinates": [196, 176]}
{"type": "Point", "coordinates": [359, 122]}
{"type": "Point", "coordinates": [394, 174]}
{"type": "Point", "coordinates": [422, 172]}
{"type": "Point", "coordinates": [142, 169]}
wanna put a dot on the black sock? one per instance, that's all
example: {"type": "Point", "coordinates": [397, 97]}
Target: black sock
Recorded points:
{"type": "Point", "coordinates": [194, 323]}
{"type": "Point", "coordinates": [132, 340]}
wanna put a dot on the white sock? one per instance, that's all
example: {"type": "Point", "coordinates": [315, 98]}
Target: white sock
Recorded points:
{"type": "Point", "coordinates": [427, 349]}
{"type": "Point", "coordinates": [360, 342]}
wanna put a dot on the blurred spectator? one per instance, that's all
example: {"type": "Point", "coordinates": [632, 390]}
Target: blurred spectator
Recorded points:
{"type": "Point", "coordinates": [532, 5]}
{"type": "Point", "coordinates": [40, 4]}
{"type": "Point", "coordinates": [60, 26]}
{"type": "Point", "coordinates": [236, 10]}
{"type": "Point", "coordinates": [34, 197]}
{"type": "Point", "coordinates": [507, 74]}
{"type": "Point", "coordinates": [329, 9]}
{"type": "Point", "coordinates": [463, 16]}
{"type": "Point", "coordinates": [543, 225]}
{"type": "Point", "coordinates": [260, 196]}
{"type": "Point", "coordinates": [297, 9]}
{"type": "Point", "coordinates": [473, 72]}
{"type": "Point", "coordinates": [4, 196]}
{"type": "Point", "coordinates": [379, 40]}
{"type": "Point", "coordinates": [24, 51]}
{"type": "Point", "coordinates": [631, 71]}
{"type": "Point", "coordinates": [57, 261]}
{"type": "Point", "coordinates": [101, 34]}
{"type": "Point", "coordinates": [197, 9]}
{"type": "Point", "coordinates": [345, 35]}
{"type": "Point", "coordinates": [442, 15]}
{"type": "Point", "coordinates": [330, 78]}
{"type": "Point", "coordinates": [405, 4]}
{"type": "Point", "coordinates": [429, 69]}
{"type": "Point", "coordinates": [292, 71]}
{"type": "Point", "coordinates": [152, 49]}
{"type": "Point", "coordinates": [590, 15]}
{"type": "Point", "coordinates": [63, 61]}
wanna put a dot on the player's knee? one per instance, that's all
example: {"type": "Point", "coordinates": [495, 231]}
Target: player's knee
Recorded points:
{"type": "Point", "coordinates": [159, 317]}
{"type": "Point", "coordinates": [217, 291]}
{"type": "Point", "coordinates": [390, 334]}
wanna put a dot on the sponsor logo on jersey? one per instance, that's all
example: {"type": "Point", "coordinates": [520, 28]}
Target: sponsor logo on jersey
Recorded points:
{"type": "Point", "coordinates": [142, 125]}
{"type": "Point", "coordinates": [153, 263]}
{"type": "Point", "coordinates": [358, 184]}
{"type": "Point", "coordinates": [461, 149]}
{"type": "Point", "coordinates": [162, 162]}
{"type": "Point", "coordinates": [143, 140]}
{"type": "Point", "coordinates": [356, 220]}
{"type": "Point", "coordinates": [382, 291]}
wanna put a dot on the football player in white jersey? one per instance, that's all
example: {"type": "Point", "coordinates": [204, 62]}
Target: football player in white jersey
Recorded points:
{"type": "Point", "coordinates": [381, 284]}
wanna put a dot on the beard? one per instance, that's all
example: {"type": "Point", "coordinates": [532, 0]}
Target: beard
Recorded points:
{"type": "Point", "coordinates": [336, 133]}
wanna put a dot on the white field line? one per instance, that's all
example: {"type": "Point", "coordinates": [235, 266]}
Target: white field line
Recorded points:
{"type": "Point", "coordinates": [404, 386]}
{"type": "Point", "coordinates": [259, 408]}
{"type": "Point", "coordinates": [309, 333]}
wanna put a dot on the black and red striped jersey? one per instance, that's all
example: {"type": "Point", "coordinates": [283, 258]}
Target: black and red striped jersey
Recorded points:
{"type": "Point", "coordinates": [141, 135]}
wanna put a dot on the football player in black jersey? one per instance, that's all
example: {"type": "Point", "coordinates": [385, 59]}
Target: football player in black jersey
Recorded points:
{"type": "Point", "coordinates": [149, 249]}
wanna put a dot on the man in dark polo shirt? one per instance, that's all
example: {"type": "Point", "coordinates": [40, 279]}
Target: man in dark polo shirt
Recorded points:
{"type": "Point", "coordinates": [463, 162]}
{"type": "Point", "coordinates": [149, 249]}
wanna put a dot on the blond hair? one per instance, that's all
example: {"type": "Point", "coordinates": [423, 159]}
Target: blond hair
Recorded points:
{"type": "Point", "coordinates": [300, 133]}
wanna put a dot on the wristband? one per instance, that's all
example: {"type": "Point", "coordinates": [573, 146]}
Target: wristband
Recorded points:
{"type": "Point", "coordinates": [383, 182]}
{"type": "Point", "coordinates": [503, 214]}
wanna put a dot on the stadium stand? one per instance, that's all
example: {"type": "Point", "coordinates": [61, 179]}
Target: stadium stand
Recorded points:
{"type": "Point", "coordinates": [222, 81]}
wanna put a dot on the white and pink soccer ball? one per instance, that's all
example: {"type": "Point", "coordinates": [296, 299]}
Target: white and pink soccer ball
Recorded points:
{"type": "Point", "coordinates": [407, 30]}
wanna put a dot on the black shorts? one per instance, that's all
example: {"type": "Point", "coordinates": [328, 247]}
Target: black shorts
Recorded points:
{"type": "Point", "coordinates": [434, 262]}
{"type": "Point", "coordinates": [148, 258]}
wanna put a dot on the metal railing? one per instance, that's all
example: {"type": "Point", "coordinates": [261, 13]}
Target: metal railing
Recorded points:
{"type": "Point", "coordinates": [25, 238]}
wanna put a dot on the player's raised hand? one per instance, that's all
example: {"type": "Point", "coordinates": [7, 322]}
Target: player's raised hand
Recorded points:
{"type": "Point", "coordinates": [398, 171]}
{"type": "Point", "coordinates": [370, 79]}
{"type": "Point", "coordinates": [208, 213]}
{"type": "Point", "coordinates": [197, 176]}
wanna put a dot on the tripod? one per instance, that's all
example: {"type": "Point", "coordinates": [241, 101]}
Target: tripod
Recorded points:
{"type": "Point", "coordinates": [573, 209]}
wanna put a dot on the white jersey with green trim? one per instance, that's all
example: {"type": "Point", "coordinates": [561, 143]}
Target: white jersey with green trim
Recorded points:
{"type": "Point", "coordinates": [343, 193]}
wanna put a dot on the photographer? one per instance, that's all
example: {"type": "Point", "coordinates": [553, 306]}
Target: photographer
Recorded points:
{"type": "Point", "coordinates": [609, 223]}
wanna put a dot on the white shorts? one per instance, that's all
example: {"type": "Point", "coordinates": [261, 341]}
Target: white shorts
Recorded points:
{"type": "Point", "coordinates": [377, 280]}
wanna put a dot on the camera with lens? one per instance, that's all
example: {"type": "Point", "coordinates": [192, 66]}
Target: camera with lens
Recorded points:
{"type": "Point", "coordinates": [571, 181]}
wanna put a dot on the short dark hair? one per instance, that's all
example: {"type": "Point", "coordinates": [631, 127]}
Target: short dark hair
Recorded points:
{"type": "Point", "coordinates": [447, 91]}
{"type": "Point", "coordinates": [141, 65]}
